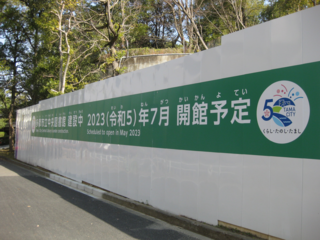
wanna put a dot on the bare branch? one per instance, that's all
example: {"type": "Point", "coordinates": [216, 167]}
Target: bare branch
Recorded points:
{"type": "Point", "coordinates": [89, 73]}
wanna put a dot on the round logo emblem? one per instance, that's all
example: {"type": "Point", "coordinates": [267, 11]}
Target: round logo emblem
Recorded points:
{"type": "Point", "coordinates": [33, 124]}
{"type": "Point", "coordinates": [283, 112]}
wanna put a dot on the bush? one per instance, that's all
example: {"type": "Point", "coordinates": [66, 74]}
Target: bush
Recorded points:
{"type": "Point", "coordinates": [4, 140]}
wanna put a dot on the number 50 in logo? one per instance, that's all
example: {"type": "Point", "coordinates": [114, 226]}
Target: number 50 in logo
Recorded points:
{"type": "Point", "coordinates": [283, 112]}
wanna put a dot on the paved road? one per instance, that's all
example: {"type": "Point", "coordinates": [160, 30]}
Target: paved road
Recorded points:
{"type": "Point", "coordinates": [33, 207]}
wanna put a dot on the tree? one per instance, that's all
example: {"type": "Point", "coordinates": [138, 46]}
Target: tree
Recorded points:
{"type": "Point", "coordinates": [189, 9]}
{"type": "Point", "coordinates": [79, 50]}
{"type": "Point", "coordinates": [35, 68]}
{"type": "Point", "coordinates": [160, 31]}
{"type": "Point", "coordinates": [12, 53]}
{"type": "Point", "coordinates": [281, 8]}
{"type": "Point", "coordinates": [64, 12]}
{"type": "Point", "coordinates": [111, 20]}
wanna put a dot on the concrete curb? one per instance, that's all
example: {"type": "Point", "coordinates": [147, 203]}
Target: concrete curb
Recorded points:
{"type": "Point", "coordinates": [183, 222]}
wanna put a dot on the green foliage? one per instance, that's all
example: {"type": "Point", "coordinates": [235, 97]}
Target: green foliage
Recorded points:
{"type": "Point", "coordinates": [69, 88]}
{"type": "Point", "coordinates": [253, 10]}
{"type": "Point", "coordinates": [32, 25]}
{"type": "Point", "coordinates": [155, 26]}
{"type": "Point", "coordinates": [3, 123]}
{"type": "Point", "coordinates": [138, 34]}
{"type": "Point", "coordinates": [279, 8]}
{"type": "Point", "coordinates": [121, 70]}
{"type": "Point", "coordinates": [224, 18]}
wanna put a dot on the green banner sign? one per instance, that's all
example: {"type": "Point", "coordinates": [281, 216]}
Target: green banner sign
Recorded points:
{"type": "Point", "coordinates": [273, 113]}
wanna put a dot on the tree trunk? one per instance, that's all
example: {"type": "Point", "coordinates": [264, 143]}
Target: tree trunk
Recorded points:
{"type": "Point", "coordinates": [115, 64]}
{"type": "Point", "coordinates": [61, 58]}
{"type": "Point", "coordinates": [11, 130]}
{"type": "Point", "coordinates": [13, 100]}
{"type": "Point", "coordinates": [61, 74]}
{"type": "Point", "coordinates": [11, 126]}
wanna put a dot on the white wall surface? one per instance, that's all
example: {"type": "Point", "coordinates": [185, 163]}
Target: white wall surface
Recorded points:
{"type": "Point", "coordinates": [273, 195]}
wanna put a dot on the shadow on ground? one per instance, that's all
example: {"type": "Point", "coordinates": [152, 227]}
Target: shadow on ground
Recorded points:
{"type": "Point", "coordinates": [46, 197]}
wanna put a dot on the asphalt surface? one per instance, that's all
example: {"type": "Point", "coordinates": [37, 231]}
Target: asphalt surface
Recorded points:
{"type": "Point", "coordinates": [33, 207]}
